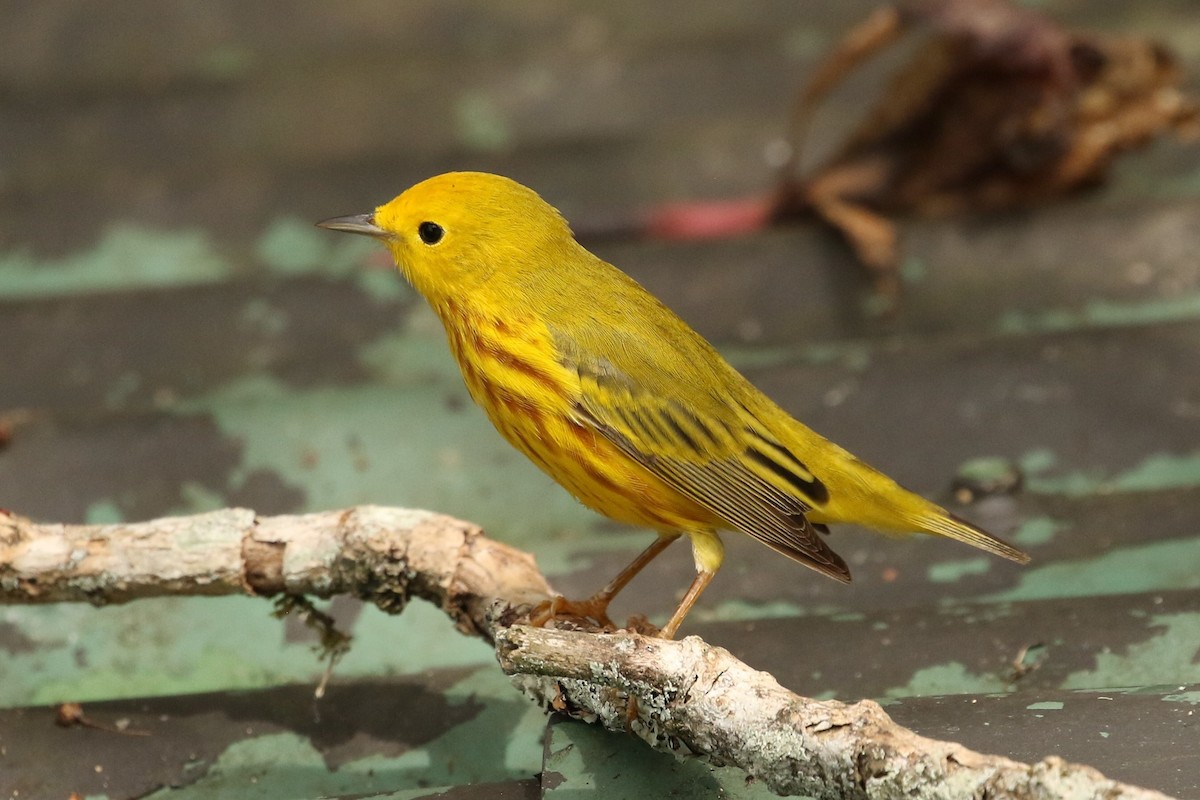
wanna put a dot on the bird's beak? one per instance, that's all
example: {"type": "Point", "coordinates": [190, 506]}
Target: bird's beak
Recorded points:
{"type": "Point", "coordinates": [355, 223]}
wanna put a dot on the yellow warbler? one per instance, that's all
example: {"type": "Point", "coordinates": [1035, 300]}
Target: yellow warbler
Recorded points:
{"type": "Point", "coordinates": [618, 399]}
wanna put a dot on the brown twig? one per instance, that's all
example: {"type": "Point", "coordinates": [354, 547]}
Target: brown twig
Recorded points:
{"type": "Point", "coordinates": [692, 698]}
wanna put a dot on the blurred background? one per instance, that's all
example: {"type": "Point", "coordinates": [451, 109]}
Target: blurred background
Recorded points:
{"type": "Point", "coordinates": [176, 336]}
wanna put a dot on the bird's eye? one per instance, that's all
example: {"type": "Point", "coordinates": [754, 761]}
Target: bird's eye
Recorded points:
{"type": "Point", "coordinates": [430, 232]}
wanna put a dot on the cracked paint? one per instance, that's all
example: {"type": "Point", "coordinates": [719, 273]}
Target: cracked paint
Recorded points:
{"type": "Point", "coordinates": [1158, 566]}
{"type": "Point", "coordinates": [590, 762]}
{"type": "Point", "coordinates": [126, 257]}
{"type": "Point", "coordinates": [944, 679]}
{"type": "Point", "coordinates": [140, 649]}
{"type": "Point", "coordinates": [1170, 656]}
{"type": "Point", "coordinates": [291, 246]}
{"type": "Point", "coordinates": [1156, 472]}
{"type": "Point", "coordinates": [1103, 313]}
{"type": "Point", "coordinates": [1038, 531]}
{"type": "Point", "coordinates": [953, 571]}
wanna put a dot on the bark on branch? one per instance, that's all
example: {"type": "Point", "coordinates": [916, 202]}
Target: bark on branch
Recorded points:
{"type": "Point", "coordinates": [691, 698]}
{"type": "Point", "coordinates": [382, 555]}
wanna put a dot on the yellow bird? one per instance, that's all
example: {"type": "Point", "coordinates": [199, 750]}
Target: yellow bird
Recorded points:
{"type": "Point", "coordinates": [619, 400]}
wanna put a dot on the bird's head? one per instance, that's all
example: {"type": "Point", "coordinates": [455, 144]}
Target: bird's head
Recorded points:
{"type": "Point", "coordinates": [466, 232]}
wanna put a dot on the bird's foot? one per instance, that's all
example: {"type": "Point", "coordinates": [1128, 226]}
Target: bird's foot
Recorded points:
{"type": "Point", "coordinates": [638, 623]}
{"type": "Point", "coordinates": [594, 609]}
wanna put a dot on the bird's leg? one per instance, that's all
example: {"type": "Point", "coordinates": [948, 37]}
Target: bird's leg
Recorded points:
{"type": "Point", "coordinates": [634, 567]}
{"type": "Point", "coordinates": [699, 584]}
{"type": "Point", "coordinates": [596, 606]}
{"type": "Point", "coordinates": [708, 553]}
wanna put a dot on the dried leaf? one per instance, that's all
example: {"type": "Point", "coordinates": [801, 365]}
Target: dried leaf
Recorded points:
{"type": "Point", "coordinates": [999, 108]}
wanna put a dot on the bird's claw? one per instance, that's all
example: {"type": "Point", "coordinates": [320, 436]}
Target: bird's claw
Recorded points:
{"type": "Point", "coordinates": [594, 609]}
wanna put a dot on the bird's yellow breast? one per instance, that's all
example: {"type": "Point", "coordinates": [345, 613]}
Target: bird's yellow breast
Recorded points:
{"type": "Point", "coordinates": [511, 370]}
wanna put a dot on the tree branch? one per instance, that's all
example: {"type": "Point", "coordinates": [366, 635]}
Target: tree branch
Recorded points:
{"type": "Point", "coordinates": [381, 555]}
{"type": "Point", "coordinates": [691, 698]}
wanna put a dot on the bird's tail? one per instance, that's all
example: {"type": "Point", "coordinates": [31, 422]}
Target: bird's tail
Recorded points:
{"type": "Point", "coordinates": [952, 527]}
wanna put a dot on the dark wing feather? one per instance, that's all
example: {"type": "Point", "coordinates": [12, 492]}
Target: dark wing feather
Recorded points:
{"type": "Point", "coordinates": [735, 470]}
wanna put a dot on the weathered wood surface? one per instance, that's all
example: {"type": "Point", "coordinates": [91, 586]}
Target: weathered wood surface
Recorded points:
{"type": "Point", "coordinates": [173, 337]}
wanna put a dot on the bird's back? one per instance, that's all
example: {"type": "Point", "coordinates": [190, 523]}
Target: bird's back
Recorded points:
{"type": "Point", "coordinates": [638, 356]}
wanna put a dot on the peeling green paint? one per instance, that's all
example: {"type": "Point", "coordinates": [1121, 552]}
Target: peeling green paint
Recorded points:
{"type": "Point", "coordinates": [1045, 705]}
{"type": "Point", "coordinates": [87, 652]}
{"type": "Point", "coordinates": [480, 124]}
{"type": "Point", "coordinates": [1170, 656]}
{"type": "Point", "coordinates": [953, 571]}
{"type": "Point", "coordinates": [396, 442]}
{"type": "Point", "coordinates": [504, 742]}
{"type": "Point", "coordinates": [197, 499]}
{"type": "Point", "coordinates": [103, 512]}
{"type": "Point", "coordinates": [1072, 484]}
{"type": "Point", "coordinates": [854, 356]}
{"type": "Point", "coordinates": [126, 257]}
{"type": "Point", "coordinates": [394, 446]}
{"type": "Point", "coordinates": [1123, 570]}
{"type": "Point", "coordinates": [943, 679]}
{"type": "Point", "coordinates": [417, 354]}
{"type": "Point", "coordinates": [384, 444]}
{"type": "Point", "coordinates": [1103, 313]}
{"type": "Point", "coordinates": [1151, 567]}
{"type": "Point", "coordinates": [1038, 460]}
{"type": "Point", "coordinates": [743, 610]}
{"type": "Point", "coordinates": [142, 649]}
{"type": "Point", "coordinates": [412, 438]}
{"type": "Point", "coordinates": [250, 769]}
{"type": "Point", "coordinates": [1160, 472]}
{"type": "Point", "coordinates": [1184, 697]}
{"type": "Point", "coordinates": [1155, 473]}
{"type": "Point", "coordinates": [1038, 531]}
{"type": "Point", "coordinates": [587, 761]}
{"type": "Point", "coordinates": [290, 246]}
{"type": "Point", "coordinates": [134, 257]}
{"type": "Point", "coordinates": [972, 613]}
{"type": "Point", "coordinates": [986, 470]}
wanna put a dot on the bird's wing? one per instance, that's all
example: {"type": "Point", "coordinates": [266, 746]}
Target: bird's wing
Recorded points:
{"type": "Point", "coordinates": [720, 457]}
